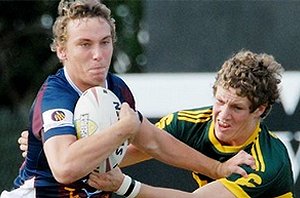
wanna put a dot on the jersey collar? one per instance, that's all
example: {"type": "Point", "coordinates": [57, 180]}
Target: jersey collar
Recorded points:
{"type": "Point", "coordinates": [73, 84]}
{"type": "Point", "coordinates": [230, 149]}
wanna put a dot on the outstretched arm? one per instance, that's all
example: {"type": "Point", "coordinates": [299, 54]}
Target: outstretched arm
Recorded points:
{"type": "Point", "coordinates": [164, 147]}
{"type": "Point", "coordinates": [115, 181]}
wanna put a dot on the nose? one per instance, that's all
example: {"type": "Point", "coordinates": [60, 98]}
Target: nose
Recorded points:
{"type": "Point", "coordinates": [224, 113]}
{"type": "Point", "coordinates": [97, 54]}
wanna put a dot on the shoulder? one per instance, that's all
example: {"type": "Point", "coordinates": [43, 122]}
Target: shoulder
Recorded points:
{"type": "Point", "coordinates": [185, 123]}
{"type": "Point", "coordinates": [114, 78]}
{"type": "Point", "coordinates": [270, 142]}
{"type": "Point", "coordinates": [195, 115]}
{"type": "Point", "coordinates": [56, 91]}
{"type": "Point", "coordinates": [120, 89]}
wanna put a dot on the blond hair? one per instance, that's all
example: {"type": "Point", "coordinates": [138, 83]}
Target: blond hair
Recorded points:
{"type": "Point", "coordinates": [77, 9]}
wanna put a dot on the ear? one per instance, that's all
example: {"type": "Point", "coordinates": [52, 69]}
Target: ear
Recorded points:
{"type": "Point", "coordinates": [61, 53]}
{"type": "Point", "coordinates": [260, 110]}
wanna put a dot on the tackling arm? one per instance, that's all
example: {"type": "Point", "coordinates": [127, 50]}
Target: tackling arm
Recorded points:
{"type": "Point", "coordinates": [117, 182]}
{"type": "Point", "coordinates": [164, 147]}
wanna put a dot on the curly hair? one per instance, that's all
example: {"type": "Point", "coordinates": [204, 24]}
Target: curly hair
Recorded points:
{"type": "Point", "coordinates": [78, 9]}
{"type": "Point", "coordinates": [255, 76]}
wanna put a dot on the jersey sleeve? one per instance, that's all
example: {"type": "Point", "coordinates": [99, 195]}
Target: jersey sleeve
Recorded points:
{"type": "Point", "coordinates": [186, 125]}
{"type": "Point", "coordinates": [121, 90]}
{"type": "Point", "coordinates": [53, 111]}
{"type": "Point", "coordinates": [169, 123]}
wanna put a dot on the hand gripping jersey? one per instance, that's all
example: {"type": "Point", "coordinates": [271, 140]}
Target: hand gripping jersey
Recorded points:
{"type": "Point", "coordinates": [51, 115]}
{"type": "Point", "coordinates": [273, 176]}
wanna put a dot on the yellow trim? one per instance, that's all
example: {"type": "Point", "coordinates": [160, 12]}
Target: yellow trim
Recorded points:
{"type": "Point", "coordinates": [286, 195]}
{"type": "Point", "coordinates": [194, 120]}
{"type": "Point", "coordinates": [200, 182]}
{"type": "Point", "coordinates": [257, 164]}
{"type": "Point", "coordinates": [166, 120]}
{"type": "Point", "coordinates": [260, 156]}
{"type": "Point", "coordinates": [206, 111]}
{"type": "Point", "coordinates": [230, 149]}
{"type": "Point", "coordinates": [195, 116]}
{"type": "Point", "coordinates": [234, 188]}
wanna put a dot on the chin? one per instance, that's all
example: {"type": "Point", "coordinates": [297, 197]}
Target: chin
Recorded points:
{"type": "Point", "coordinates": [220, 136]}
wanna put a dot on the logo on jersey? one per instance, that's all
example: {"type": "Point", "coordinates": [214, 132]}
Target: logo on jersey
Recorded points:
{"type": "Point", "coordinates": [58, 115]}
{"type": "Point", "coordinates": [57, 118]}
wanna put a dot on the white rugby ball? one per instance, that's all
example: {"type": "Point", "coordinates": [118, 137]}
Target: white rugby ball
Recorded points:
{"type": "Point", "coordinates": [97, 109]}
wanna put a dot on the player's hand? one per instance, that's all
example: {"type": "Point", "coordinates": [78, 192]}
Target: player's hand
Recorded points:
{"type": "Point", "coordinates": [232, 165]}
{"type": "Point", "coordinates": [130, 120]}
{"type": "Point", "coordinates": [23, 142]}
{"type": "Point", "coordinates": [110, 181]}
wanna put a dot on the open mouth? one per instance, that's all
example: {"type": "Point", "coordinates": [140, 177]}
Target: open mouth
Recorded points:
{"type": "Point", "coordinates": [222, 123]}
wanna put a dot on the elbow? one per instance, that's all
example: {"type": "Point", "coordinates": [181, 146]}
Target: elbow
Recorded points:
{"type": "Point", "coordinates": [151, 149]}
{"type": "Point", "coordinates": [65, 175]}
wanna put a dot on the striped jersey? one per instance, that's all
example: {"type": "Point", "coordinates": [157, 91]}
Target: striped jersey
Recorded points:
{"type": "Point", "coordinates": [273, 175]}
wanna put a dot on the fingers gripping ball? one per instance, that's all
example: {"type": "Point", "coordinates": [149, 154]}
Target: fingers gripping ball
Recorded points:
{"type": "Point", "coordinates": [97, 109]}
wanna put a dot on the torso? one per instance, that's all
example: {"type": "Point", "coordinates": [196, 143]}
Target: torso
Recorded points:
{"type": "Point", "coordinates": [52, 114]}
{"type": "Point", "coordinates": [273, 176]}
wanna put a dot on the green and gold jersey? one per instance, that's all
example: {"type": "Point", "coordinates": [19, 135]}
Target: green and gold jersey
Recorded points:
{"type": "Point", "coordinates": [273, 175]}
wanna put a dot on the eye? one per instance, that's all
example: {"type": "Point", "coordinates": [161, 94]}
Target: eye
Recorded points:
{"type": "Point", "coordinates": [219, 101]}
{"type": "Point", "coordinates": [105, 42]}
{"type": "Point", "coordinates": [238, 108]}
{"type": "Point", "coordinates": [85, 44]}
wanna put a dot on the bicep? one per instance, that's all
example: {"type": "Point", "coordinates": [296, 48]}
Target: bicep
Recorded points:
{"type": "Point", "coordinates": [55, 148]}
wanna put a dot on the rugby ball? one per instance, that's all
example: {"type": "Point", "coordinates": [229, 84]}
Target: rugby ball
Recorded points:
{"type": "Point", "coordinates": [97, 109]}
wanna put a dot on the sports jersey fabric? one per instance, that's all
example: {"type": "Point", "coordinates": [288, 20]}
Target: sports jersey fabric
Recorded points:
{"type": "Point", "coordinates": [273, 175]}
{"type": "Point", "coordinates": [52, 114]}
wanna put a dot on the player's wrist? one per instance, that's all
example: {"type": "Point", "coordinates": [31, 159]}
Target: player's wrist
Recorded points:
{"type": "Point", "coordinates": [129, 188]}
{"type": "Point", "coordinates": [217, 170]}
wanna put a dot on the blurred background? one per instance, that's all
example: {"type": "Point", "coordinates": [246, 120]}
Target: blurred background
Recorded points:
{"type": "Point", "coordinates": [170, 42]}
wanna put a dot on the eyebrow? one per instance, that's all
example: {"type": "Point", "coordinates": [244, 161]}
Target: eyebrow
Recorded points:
{"type": "Point", "coordinates": [87, 39]}
{"type": "Point", "coordinates": [107, 37]}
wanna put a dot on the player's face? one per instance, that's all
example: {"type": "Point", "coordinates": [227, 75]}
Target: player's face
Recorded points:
{"type": "Point", "coordinates": [88, 51]}
{"type": "Point", "coordinates": [234, 123]}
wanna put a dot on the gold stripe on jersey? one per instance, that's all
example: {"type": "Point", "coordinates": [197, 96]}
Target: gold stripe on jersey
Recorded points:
{"type": "Point", "coordinates": [230, 149]}
{"type": "Point", "coordinates": [253, 153]}
{"type": "Point", "coordinates": [286, 195]}
{"type": "Point", "coordinates": [258, 156]}
{"type": "Point", "coordinates": [196, 112]}
{"type": "Point", "coordinates": [195, 116]}
{"type": "Point", "coordinates": [165, 121]}
{"type": "Point", "coordinates": [198, 180]}
{"type": "Point", "coordinates": [234, 188]}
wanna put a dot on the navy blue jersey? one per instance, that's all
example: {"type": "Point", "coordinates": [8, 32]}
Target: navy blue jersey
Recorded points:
{"type": "Point", "coordinates": [52, 114]}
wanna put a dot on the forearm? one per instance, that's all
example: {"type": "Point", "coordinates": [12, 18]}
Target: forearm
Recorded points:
{"type": "Point", "coordinates": [214, 189]}
{"type": "Point", "coordinates": [164, 147]}
{"type": "Point", "coordinates": [68, 157]}
{"type": "Point", "coordinates": [132, 188]}
{"type": "Point", "coordinates": [133, 156]}
{"type": "Point", "coordinates": [147, 191]}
